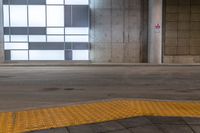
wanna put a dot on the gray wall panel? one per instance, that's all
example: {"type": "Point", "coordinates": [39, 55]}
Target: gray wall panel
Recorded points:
{"type": "Point", "coordinates": [46, 46]}
{"type": "Point", "coordinates": [18, 30]}
{"type": "Point", "coordinates": [80, 16]}
{"type": "Point", "coordinates": [37, 2]}
{"type": "Point", "coordinates": [80, 46]}
{"type": "Point", "coordinates": [68, 16]}
{"type": "Point", "coordinates": [68, 55]}
{"type": "Point", "coordinates": [37, 30]}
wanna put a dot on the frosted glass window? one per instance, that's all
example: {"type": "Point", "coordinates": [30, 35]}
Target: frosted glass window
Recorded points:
{"type": "Point", "coordinates": [6, 38]}
{"type": "Point", "coordinates": [77, 30]}
{"type": "Point", "coordinates": [76, 38]}
{"type": "Point", "coordinates": [55, 1]}
{"type": "Point", "coordinates": [19, 38]}
{"type": "Point", "coordinates": [55, 30]}
{"type": "Point", "coordinates": [6, 15]}
{"type": "Point", "coordinates": [55, 38]}
{"type": "Point", "coordinates": [46, 54]}
{"type": "Point", "coordinates": [80, 55]}
{"type": "Point", "coordinates": [9, 46]}
{"type": "Point", "coordinates": [19, 55]}
{"type": "Point", "coordinates": [76, 2]}
{"type": "Point", "coordinates": [55, 15]}
{"type": "Point", "coordinates": [18, 15]}
{"type": "Point", "coordinates": [37, 38]}
{"type": "Point", "coordinates": [36, 15]}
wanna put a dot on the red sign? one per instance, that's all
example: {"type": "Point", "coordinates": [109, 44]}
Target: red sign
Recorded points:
{"type": "Point", "coordinates": [157, 26]}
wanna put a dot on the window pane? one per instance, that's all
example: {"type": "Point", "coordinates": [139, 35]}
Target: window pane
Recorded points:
{"type": "Point", "coordinates": [6, 38]}
{"type": "Point", "coordinates": [36, 16]}
{"type": "Point", "coordinates": [76, 38]}
{"type": "Point", "coordinates": [55, 15]}
{"type": "Point", "coordinates": [19, 38]}
{"type": "Point", "coordinates": [74, 30]}
{"type": "Point", "coordinates": [46, 54]}
{"type": "Point", "coordinates": [76, 2]}
{"type": "Point", "coordinates": [80, 55]}
{"type": "Point", "coordinates": [55, 1]}
{"type": "Point", "coordinates": [6, 15]}
{"type": "Point", "coordinates": [37, 38]}
{"type": "Point", "coordinates": [9, 46]}
{"type": "Point", "coordinates": [18, 16]}
{"type": "Point", "coordinates": [19, 55]}
{"type": "Point", "coordinates": [55, 30]}
{"type": "Point", "coordinates": [55, 38]}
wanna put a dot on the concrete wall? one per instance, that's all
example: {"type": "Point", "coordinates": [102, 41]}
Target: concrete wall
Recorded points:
{"type": "Point", "coordinates": [155, 34]}
{"type": "Point", "coordinates": [182, 31]}
{"type": "Point", "coordinates": [118, 31]}
{"type": "Point", "coordinates": [1, 33]}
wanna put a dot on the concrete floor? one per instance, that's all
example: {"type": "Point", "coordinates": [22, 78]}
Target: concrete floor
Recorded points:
{"type": "Point", "coordinates": [31, 87]}
{"type": "Point", "coordinates": [136, 125]}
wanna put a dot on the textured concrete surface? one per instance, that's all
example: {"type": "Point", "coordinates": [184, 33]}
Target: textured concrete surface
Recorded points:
{"type": "Point", "coordinates": [136, 125]}
{"type": "Point", "coordinates": [118, 31]}
{"type": "Point", "coordinates": [155, 35]}
{"type": "Point", "coordinates": [30, 87]}
{"type": "Point", "coordinates": [182, 31]}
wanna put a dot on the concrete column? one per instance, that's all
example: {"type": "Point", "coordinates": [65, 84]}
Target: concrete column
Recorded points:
{"type": "Point", "coordinates": [154, 32]}
{"type": "Point", "coordinates": [1, 33]}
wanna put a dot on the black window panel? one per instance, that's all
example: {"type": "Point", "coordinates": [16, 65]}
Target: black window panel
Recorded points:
{"type": "Point", "coordinates": [7, 55]}
{"type": "Point", "coordinates": [54, 46]}
{"type": "Point", "coordinates": [6, 30]}
{"type": "Point", "coordinates": [68, 55]}
{"type": "Point", "coordinates": [80, 46]}
{"type": "Point", "coordinates": [36, 46]}
{"type": "Point", "coordinates": [18, 30]}
{"type": "Point", "coordinates": [68, 17]}
{"type": "Point", "coordinates": [46, 46]}
{"type": "Point", "coordinates": [37, 30]}
{"type": "Point", "coordinates": [36, 2]}
{"type": "Point", "coordinates": [18, 2]}
{"type": "Point", "coordinates": [80, 16]}
{"type": "Point", "coordinates": [5, 2]}
{"type": "Point", "coordinates": [68, 45]}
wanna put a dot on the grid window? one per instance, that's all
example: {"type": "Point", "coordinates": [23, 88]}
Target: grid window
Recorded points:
{"type": "Point", "coordinates": [46, 29]}
{"type": "Point", "coordinates": [6, 15]}
{"type": "Point", "coordinates": [55, 16]}
{"type": "Point", "coordinates": [18, 16]}
{"type": "Point", "coordinates": [36, 16]}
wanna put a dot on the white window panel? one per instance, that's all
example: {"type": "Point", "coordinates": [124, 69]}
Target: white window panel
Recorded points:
{"type": "Point", "coordinates": [55, 30]}
{"type": "Point", "coordinates": [76, 2]}
{"type": "Point", "coordinates": [6, 38]}
{"type": "Point", "coordinates": [37, 38]}
{"type": "Point", "coordinates": [6, 15]}
{"type": "Point", "coordinates": [55, 38]}
{"type": "Point", "coordinates": [76, 30]}
{"type": "Point", "coordinates": [9, 46]}
{"type": "Point", "coordinates": [55, 15]}
{"type": "Point", "coordinates": [19, 38]}
{"type": "Point", "coordinates": [19, 54]}
{"type": "Point", "coordinates": [80, 55]}
{"type": "Point", "coordinates": [46, 54]}
{"type": "Point", "coordinates": [55, 1]}
{"type": "Point", "coordinates": [18, 15]}
{"type": "Point", "coordinates": [36, 15]}
{"type": "Point", "coordinates": [76, 38]}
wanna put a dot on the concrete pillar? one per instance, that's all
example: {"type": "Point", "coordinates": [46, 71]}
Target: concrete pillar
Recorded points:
{"type": "Point", "coordinates": [1, 33]}
{"type": "Point", "coordinates": [154, 32]}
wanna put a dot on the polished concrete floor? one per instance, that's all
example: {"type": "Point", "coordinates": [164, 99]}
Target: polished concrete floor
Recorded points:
{"type": "Point", "coordinates": [40, 86]}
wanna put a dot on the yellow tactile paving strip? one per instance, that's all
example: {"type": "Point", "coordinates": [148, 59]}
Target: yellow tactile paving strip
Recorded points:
{"type": "Point", "coordinates": [38, 119]}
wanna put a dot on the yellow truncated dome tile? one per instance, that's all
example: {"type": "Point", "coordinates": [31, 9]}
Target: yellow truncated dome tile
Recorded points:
{"type": "Point", "coordinates": [46, 118]}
